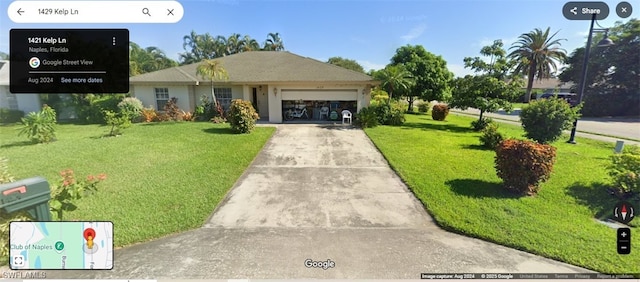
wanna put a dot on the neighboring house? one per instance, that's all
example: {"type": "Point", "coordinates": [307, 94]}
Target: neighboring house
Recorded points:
{"type": "Point", "coordinates": [272, 81]}
{"type": "Point", "coordinates": [24, 102]}
{"type": "Point", "coordinates": [550, 85]}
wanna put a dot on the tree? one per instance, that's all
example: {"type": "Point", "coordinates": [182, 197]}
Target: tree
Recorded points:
{"type": "Point", "coordinates": [488, 90]}
{"type": "Point", "coordinates": [274, 42]}
{"type": "Point", "coordinates": [537, 55]}
{"type": "Point", "coordinates": [143, 60]}
{"type": "Point", "coordinates": [432, 78]}
{"type": "Point", "coordinates": [346, 63]}
{"type": "Point", "coordinates": [395, 79]}
{"type": "Point", "coordinates": [249, 44]}
{"type": "Point", "coordinates": [613, 73]}
{"type": "Point", "coordinates": [212, 70]}
{"type": "Point", "coordinates": [4, 56]}
{"type": "Point", "coordinates": [199, 47]}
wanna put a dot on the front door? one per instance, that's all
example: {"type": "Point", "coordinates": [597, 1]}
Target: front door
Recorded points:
{"type": "Point", "coordinates": [254, 99]}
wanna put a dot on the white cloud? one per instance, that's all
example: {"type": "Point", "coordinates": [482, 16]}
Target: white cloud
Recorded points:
{"type": "Point", "coordinates": [459, 70]}
{"type": "Point", "coordinates": [414, 32]}
{"type": "Point", "coordinates": [371, 66]}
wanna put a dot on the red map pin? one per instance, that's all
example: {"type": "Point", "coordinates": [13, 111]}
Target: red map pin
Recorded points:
{"type": "Point", "coordinates": [89, 232]}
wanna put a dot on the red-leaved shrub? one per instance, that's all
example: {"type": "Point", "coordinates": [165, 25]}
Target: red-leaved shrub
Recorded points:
{"type": "Point", "coordinates": [523, 165]}
{"type": "Point", "coordinates": [440, 111]}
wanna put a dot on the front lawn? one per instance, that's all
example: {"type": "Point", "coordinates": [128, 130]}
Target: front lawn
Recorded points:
{"type": "Point", "coordinates": [456, 181]}
{"type": "Point", "coordinates": [162, 178]}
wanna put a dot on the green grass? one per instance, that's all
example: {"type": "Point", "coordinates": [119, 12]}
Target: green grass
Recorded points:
{"type": "Point", "coordinates": [456, 181]}
{"type": "Point", "coordinates": [161, 178]}
{"type": "Point", "coordinates": [519, 105]}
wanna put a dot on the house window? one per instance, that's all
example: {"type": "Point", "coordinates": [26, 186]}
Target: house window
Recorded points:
{"type": "Point", "coordinates": [12, 101]}
{"type": "Point", "coordinates": [162, 97]}
{"type": "Point", "coordinates": [223, 96]}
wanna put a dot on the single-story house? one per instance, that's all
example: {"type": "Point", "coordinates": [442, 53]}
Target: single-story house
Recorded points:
{"type": "Point", "coordinates": [26, 102]}
{"type": "Point", "coordinates": [272, 81]}
{"type": "Point", "coordinates": [551, 85]}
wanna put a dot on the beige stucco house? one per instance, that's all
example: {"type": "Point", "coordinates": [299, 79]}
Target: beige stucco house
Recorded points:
{"type": "Point", "coordinates": [272, 81]}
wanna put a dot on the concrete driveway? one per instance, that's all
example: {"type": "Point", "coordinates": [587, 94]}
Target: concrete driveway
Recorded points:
{"type": "Point", "coordinates": [325, 194]}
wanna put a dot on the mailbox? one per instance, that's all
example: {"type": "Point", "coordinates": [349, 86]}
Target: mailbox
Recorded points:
{"type": "Point", "coordinates": [31, 195]}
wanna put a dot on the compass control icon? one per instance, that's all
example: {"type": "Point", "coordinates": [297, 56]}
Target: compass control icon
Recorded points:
{"type": "Point", "coordinates": [624, 212]}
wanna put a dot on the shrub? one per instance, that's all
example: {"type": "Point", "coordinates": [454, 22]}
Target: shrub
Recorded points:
{"type": "Point", "coordinates": [389, 114]}
{"type": "Point", "coordinates": [206, 110]}
{"type": "Point", "coordinates": [131, 107]}
{"type": "Point", "coordinates": [423, 107]}
{"type": "Point", "coordinates": [523, 165]}
{"type": "Point", "coordinates": [117, 121]}
{"type": "Point", "coordinates": [366, 117]}
{"type": "Point", "coordinates": [40, 126]}
{"type": "Point", "coordinates": [490, 137]}
{"type": "Point", "coordinates": [440, 112]}
{"type": "Point", "coordinates": [162, 117]}
{"type": "Point", "coordinates": [625, 172]}
{"type": "Point", "coordinates": [10, 116]}
{"type": "Point", "coordinates": [480, 124]}
{"type": "Point", "coordinates": [172, 109]}
{"type": "Point", "coordinates": [544, 120]}
{"type": "Point", "coordinates": [218, 120]}
{"type": "Point", "coordinates": [90, 107]}
{"type": "Point", "coordinates": [397, 117]}
{"type": "Point", "coordinates": [149, 114]}
{"type": "Point", "coordinates": [187, 116]}
{"type": "Point", "coordinates": [242, 116]}
{"type": "Point", "coordinates": [69, 189]}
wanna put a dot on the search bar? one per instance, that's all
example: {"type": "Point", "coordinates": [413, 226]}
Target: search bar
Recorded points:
{"type": "Point", "coordinates": [95, 11]}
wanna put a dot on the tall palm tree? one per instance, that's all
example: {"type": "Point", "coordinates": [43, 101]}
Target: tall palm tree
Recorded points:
{"type": "Point", "coordinates": [274, 42]}
{"type": "Point", "coordinates": [537, 55]}
{"type": "Point", "coordinates": [395, 79]}
{"type": "Point", "coordinates": [212, 70]}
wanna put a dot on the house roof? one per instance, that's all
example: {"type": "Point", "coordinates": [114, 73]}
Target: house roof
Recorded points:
{"type": "Point", "coordinates": [4, 72]}
{"type": "Point", "coordinates": [261, 66]}
{"type": "Point", "coordinates": [550, 83]}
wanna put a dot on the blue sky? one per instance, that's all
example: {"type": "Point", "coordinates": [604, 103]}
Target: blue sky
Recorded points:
{"type": "Point", "coordinates": [366, 31]}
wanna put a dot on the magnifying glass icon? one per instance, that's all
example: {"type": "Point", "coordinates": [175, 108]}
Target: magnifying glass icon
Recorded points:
{"type": "Point", "coordinates": [146, 12]}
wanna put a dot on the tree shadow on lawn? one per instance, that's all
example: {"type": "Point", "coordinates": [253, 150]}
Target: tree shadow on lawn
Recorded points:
{"type": "Point", "coordinates": [18, 144]}
{"type": "Point", "coordinates": [480, 189]}
{"type": "Point", "coordinates": [476, 147]}
{"type": "Point", "coordinates": [219, 130]}
{"type": "Point", "coordinates": [442, 127]}
{"type": "Point", "coordinates": [596, 197]}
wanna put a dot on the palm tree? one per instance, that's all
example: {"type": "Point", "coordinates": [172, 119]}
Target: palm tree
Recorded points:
{"type": "Point", "coordinates": [395, 78]}
{"type": "Point", "coordinates": [249, 44]}
{"type": "Point", "coordinates": [212, 70]}
{"type": "Point", "coordinates": [234, 44]}
{"type": "Point", "coordinates": [537, 55]}
{"type": "Point", "coordinates": [143, 60]}
{"type": "Point", "coordinates": [274, 42]}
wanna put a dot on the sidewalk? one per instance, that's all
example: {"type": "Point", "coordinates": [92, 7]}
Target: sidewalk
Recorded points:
{"type": "Point", "coordinates": [514, 119]}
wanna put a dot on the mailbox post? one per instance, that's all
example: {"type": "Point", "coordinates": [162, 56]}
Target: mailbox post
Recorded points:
{"type": "Point", "coordinates": [31, 195]}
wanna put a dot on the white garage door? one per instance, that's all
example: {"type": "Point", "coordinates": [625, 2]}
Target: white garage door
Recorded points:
{"type": "Point", "coordinates": [323, 95]}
